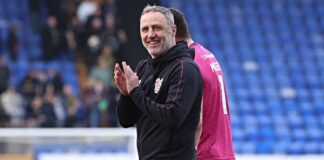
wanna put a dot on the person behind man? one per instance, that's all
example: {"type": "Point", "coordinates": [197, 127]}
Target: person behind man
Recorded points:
{"type": "Point", "coordinates": [163, 96]}
{"type": "Point", "coordinates": [214, 135]}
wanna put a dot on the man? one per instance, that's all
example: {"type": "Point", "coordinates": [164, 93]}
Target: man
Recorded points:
{"type": "Point", "coordinates": [163, 96]}
{"type": "Point", "coordinates": [214, 135]}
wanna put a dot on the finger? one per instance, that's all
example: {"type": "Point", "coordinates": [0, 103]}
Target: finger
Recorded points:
{"type": "Point", "coordinates": [124, 64]}
{"type": "Point", "coordinates": [126, 69]}
{"type": "Point", "coordinates": [128, 73]}
{"type": "Point", "coordinates": [129, 69]}
{"type": "Point", "coordinates": [118, 68]}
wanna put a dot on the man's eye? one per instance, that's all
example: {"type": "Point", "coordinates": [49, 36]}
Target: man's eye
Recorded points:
{"type": "Point", "coordinates": [157, 28]}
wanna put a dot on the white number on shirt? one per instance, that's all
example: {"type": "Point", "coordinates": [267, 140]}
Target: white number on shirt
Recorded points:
{"type": "Point", "coordinates": [220, 78]}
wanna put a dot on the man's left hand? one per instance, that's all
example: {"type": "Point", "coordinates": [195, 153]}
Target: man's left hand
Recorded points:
{"type": "Point", "coordinates": [131, 78]}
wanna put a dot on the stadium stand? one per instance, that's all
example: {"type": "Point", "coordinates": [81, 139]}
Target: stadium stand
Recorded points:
{"type": "Point", "coordinates": [13, 12]}
{"type": "Point", "coordinates": [271, 51]}
{"type": "Point", "coordinates": [64, 54]}
{"type": "Point", "coordinates": [272, 54]}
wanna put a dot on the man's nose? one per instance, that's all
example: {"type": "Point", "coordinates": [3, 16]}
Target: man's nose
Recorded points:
{"type": "Point", "coordinates": [151, 33]}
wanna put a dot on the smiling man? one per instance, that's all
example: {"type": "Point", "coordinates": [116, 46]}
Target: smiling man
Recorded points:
{"type": "Point", "coordinates": [163, 96]}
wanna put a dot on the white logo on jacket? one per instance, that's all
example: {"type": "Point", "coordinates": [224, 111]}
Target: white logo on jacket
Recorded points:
{"type": "Point", "coordinates": [157, 86]}
{"type": "Point", "coordinates": [215, 67]}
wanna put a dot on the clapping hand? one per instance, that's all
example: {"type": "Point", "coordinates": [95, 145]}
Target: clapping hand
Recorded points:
{"type": "Point", "coordinates": [125, 80]}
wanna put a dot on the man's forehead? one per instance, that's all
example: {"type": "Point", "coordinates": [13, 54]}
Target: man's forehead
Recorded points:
{"type": "Point", "coordinates": [153, 15]}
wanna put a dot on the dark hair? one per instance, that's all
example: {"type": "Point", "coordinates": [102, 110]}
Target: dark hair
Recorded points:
{"type": "Point", "coordinates": [181, 23]}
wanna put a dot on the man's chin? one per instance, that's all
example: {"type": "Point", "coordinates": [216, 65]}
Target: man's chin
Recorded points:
{"type": "Point", "coordinates": [155, 54]}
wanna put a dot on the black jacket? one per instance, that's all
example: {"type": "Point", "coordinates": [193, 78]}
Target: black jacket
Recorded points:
{"type": "Point", "coordinates": [166, 105]}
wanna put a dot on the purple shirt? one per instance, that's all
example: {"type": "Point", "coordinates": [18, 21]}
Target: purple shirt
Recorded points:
{"type": "Point", "coordinates": [216, 138]}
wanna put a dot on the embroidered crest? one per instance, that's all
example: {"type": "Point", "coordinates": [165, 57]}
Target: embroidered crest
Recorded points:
{"type": "Point", "coordinates": [157, 86]}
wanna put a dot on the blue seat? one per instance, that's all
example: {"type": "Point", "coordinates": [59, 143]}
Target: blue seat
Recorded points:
{"type": "Point", "coordinates": [238, 134]}
{"type": "Point", "coordinates": [313, 147]}
{"type": "Point", "coordinates": [295, 121]}
{"type": "Point", "coordinates": [246, 107]}
{"type": "Point", "coordinates": [307, 109]}
{"type": "Point", "coordinates": [249, 147]}
{"type": "Point", "coordinates": [261, 108]}
{"type": "Point", "coordinates": [299, 134]}
{"type": "Point", "coordinates": [237, 145]}
{"type": "Point", "coordinates": [282, 131]}
{"type": "Point", "coordinates": [266, 132]}
{"type": "Point", "coordinates": [314, 133]}
{"type": "Point", "coordinates": [266, 147]}
{"type": "Point", "coordinates": [257, 95]}
{"type": "Point", "coordinates": [296, 147]}
{"type": "Point", "coordinates": [281, 147]}
{"type": "Point", "coordinates": [317, 93]}
{"type": "Point", "coordinates": [38, 66]}
{"type": "Point", "coordinates": [251, 133]}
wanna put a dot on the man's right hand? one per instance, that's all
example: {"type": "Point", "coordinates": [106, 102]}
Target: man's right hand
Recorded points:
{"type": "Point", "coordinates": [120, 80]}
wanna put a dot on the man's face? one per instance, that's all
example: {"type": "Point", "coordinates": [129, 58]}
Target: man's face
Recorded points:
{"type": "Point", "coordinates": [157, 36]}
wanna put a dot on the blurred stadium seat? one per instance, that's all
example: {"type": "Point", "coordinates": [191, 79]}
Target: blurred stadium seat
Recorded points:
{"type": "Point", "coordinates": [272, 54]}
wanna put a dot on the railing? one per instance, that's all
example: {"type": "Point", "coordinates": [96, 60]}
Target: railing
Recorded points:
{"type": "Point", "coordinates": [67, 144]}
{"type": "Point", "coordinates": [87, 143]}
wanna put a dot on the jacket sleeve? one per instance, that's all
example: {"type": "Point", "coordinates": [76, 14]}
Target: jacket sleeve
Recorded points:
{"type": "Point", "coordinates": [185, 86]}
{"type": "Point", "coordinates": [128, 113]}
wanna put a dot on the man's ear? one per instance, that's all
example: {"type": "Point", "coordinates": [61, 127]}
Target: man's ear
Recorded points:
{"type": "Point", "coordinates": [174, 30]}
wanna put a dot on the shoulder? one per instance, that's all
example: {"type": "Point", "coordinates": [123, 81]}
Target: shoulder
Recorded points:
{"type": "Point", "coordinates": [141, 64]}
{"type": "Point", "coordinates": [187, 64]}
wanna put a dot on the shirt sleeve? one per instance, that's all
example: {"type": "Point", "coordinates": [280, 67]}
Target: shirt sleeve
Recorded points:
{"type": "Point", "coordinates": [185, 86]}
{"type": "Point", "coordinates": [128, 114]}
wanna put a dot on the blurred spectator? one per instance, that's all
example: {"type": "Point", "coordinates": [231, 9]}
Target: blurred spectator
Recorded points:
{"type": "Point", "coordinates": [55, 99]}
{"type": "Point", "coordinates": [114, 35]}
{"type": "Point", "coordinates": [107, 54]}
{"type": "Point", "coordinates": [4, 118]}
{"type": "Point", "coordinates": [109, 6]}
{"type": "Point", "coordinates": [60, 110]}
{"type": "Point", "coordinates": [55, 80]}
{"type": "Point", "coordinates": [99, 105]}
{"type": "Point", "coordinates": [101, 72]}
{"type": "Point", "coordinates": [28, 86]}
{"type": "Point", "coordinates": [53, 7]}
{"type": "Point", "coordinates": [72, 33]}
{"type": "Point", "coordinates": [52, 39]}
{"type": "Point", "coordinates": [13, 105]}
{"type": "Point", "coordinates": [4, 74]}
{"type": "Point", "coordinates": [113, 95]}
{"type": "Point", "coordinates": [35, 11]}
{"type": "Point", "coordinates": [42, 83]}
{"type": "Point", "coordinates": [1, 47]}
{"type": "Point", "coordinates": [91, 111]}
{"type": "Point", "coordinates": [71, 103]}
{"type": "Point", "coordinates": [13, 43]}
{"type": "Point", "coordinates": [85, 9]}
{"type": "Point", "coordinates": [42, 115]}
{"type": "Point", "coordinates": [94, 38]}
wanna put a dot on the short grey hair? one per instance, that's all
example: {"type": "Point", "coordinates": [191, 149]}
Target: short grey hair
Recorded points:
{"type": "Point", "coordinates": [165, 11]}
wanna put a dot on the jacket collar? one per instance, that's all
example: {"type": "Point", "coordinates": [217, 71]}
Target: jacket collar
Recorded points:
{"type": "Point", "coordinates": [179, 50]}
